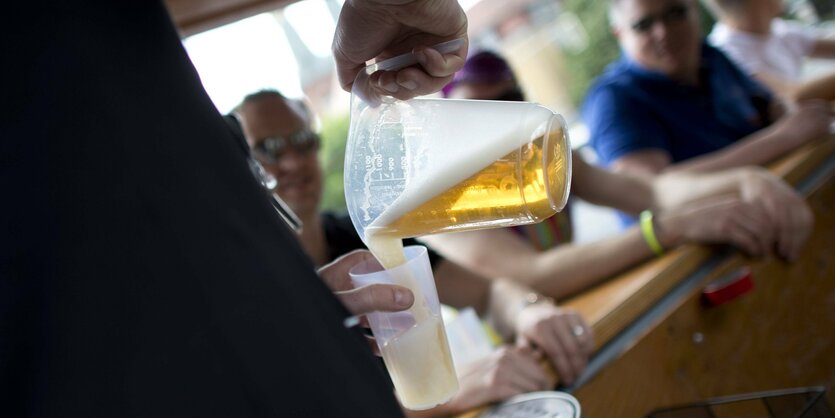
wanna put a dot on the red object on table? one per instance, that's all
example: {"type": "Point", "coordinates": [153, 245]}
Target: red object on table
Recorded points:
{"type": "Point", "coordinates": [728, 287]}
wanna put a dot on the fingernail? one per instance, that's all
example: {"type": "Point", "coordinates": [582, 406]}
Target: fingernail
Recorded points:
{"type": "Point", "coordinates": [400, 298]}
{"type": "Point", "coordinates": [389, 87]}
{"type": "Point", "coordinates": [408, 85]}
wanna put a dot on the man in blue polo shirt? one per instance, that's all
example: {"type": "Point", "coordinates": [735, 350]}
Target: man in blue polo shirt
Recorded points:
{"type": "Point", "coordinates": [673, 102]}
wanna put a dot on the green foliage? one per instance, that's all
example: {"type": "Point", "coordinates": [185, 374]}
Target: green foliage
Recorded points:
{"type": "Point", "coordinates": [707, 19]}
{"type": "Point", "coordinates": [583, 67]}
{"type": "Point", "coordinates": [332, 154]}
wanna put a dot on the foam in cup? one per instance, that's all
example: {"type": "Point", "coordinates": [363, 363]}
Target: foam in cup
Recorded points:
{"type": "Point", "coordinates": [420, 365]}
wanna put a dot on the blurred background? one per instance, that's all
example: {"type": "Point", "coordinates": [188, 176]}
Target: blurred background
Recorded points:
{"type": "Point", "coordinates": [556, 47]}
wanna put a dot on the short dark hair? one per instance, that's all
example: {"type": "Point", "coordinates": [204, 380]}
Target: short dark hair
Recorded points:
{"type": "Point", "coordinates": [261, 94]}
{"type": "Point", "coordinates": [300, 106]}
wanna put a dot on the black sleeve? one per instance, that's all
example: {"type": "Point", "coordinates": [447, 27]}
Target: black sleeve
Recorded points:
{"type": "Point", "coordinates": [144, 272]}
{"type": "Point", "coordinates": [340, 235]}
{"type": "Point", "coordinates": [237, 132]}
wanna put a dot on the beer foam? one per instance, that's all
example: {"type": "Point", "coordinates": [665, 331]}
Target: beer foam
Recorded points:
{"type": "Point", "coordinates": [447, 166]}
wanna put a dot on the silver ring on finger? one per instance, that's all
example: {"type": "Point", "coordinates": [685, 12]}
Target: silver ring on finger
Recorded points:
{"type": "Point", "coordinates": [578, 330]}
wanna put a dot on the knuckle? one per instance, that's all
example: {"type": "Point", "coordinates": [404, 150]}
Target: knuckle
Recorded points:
{"type": "Point", "coordinates": [497, 379]}
{"type": "Point", "coordinates": [355, 301]}
{"type": "Point", "coordinates": [375, 292]}
{"type": "Point", "coordinates": [367, 297]}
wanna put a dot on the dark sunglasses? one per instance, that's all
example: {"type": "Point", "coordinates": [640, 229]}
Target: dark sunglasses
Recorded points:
{"type": "Point", "coordinates": [270, 149]}
{"type": "Point", "coordinates": [674, 14]}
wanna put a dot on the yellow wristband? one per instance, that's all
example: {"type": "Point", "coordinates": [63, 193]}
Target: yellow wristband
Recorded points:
{"type": "Point", "coordinates": [649, 233]}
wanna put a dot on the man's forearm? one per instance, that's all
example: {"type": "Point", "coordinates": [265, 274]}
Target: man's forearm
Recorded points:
{"type": "Point", "coordinates": [756, 149]}
{"type": "Point", "coordinates": [621, 191]}
{"type": "Point", "coordinates": [676, 189]}
{"type": "Point", "coordinates": [570, 268]}
{"type": "Point", "coordinates": [819, 88]}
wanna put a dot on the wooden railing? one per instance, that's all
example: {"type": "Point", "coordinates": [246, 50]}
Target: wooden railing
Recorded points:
{"type": "Point", "coordinates": [612, 305]}
{"type": "Point", "coordinates": [657, 345]}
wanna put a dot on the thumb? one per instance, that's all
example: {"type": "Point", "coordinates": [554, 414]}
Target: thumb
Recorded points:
{"type": "Point", "coordinates": [377, 297]}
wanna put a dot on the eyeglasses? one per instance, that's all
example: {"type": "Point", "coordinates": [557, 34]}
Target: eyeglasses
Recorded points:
{"type": "Point", "coordinates": [675, 14]}
{"type": "Point", "coordinates": [270, 149]}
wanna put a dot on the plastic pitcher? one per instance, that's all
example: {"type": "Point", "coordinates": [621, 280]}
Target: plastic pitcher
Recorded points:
{"type": "Point", "coordinates": [423, 166]}
{"type": "Point", "coordinates": [426, 165]}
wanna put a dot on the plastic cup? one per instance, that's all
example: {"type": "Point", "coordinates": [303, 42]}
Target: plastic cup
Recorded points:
{"type": "Point", "coordinates": [414, 349]}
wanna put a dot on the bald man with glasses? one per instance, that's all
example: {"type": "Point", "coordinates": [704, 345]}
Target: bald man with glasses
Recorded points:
{"type": "Point", "coordinates": [278, 132]}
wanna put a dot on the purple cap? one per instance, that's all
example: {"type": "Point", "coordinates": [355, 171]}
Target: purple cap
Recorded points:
{"type": "Point", "coordinates": [481, 67]}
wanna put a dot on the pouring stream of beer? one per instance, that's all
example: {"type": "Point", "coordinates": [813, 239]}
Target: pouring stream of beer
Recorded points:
{"type": "Point", "coordinates": [389, 252]}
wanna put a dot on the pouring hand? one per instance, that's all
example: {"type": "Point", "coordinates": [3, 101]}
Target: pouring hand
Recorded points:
{"type": "Point", "coordinates": [379, 29]}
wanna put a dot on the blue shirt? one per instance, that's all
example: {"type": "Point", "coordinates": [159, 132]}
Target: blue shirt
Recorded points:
{"type": "Point", "coordinates": [631, 108]}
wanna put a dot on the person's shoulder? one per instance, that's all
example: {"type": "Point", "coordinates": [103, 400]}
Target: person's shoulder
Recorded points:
{"type": "Point", "coordinates": [781, 27]}
{"type": "Point", "coordinates": [795, 35]}
{"type": "Point", "coordinates": [711, 51]}
{"type": "Point", "coordinates": [726, 70]}
{"type": "Point", "coordinates": [611, 100]}
{"type": "Point", "coordinates": [336, 220]}
{"type": "Point", "coordinates": [720, 35]}
{"type": "Point", "coordinates": [617, 75]}
{"type": "Point", "coordinates": [615, 82]}
{"type": "Point", "coordinates": [724, 64]}
{"type": "Point", "coordinates": [340, 234]}
{"type": "Point", "coordinates": [331, 216]}
{"type": "Point", "coordinates": [718, 58]}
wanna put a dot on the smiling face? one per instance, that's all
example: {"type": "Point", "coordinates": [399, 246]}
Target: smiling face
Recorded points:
{"type": "Point", "coordinates": [660, 35]}
{"type": "Point", "coordinates": [281, 140]}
